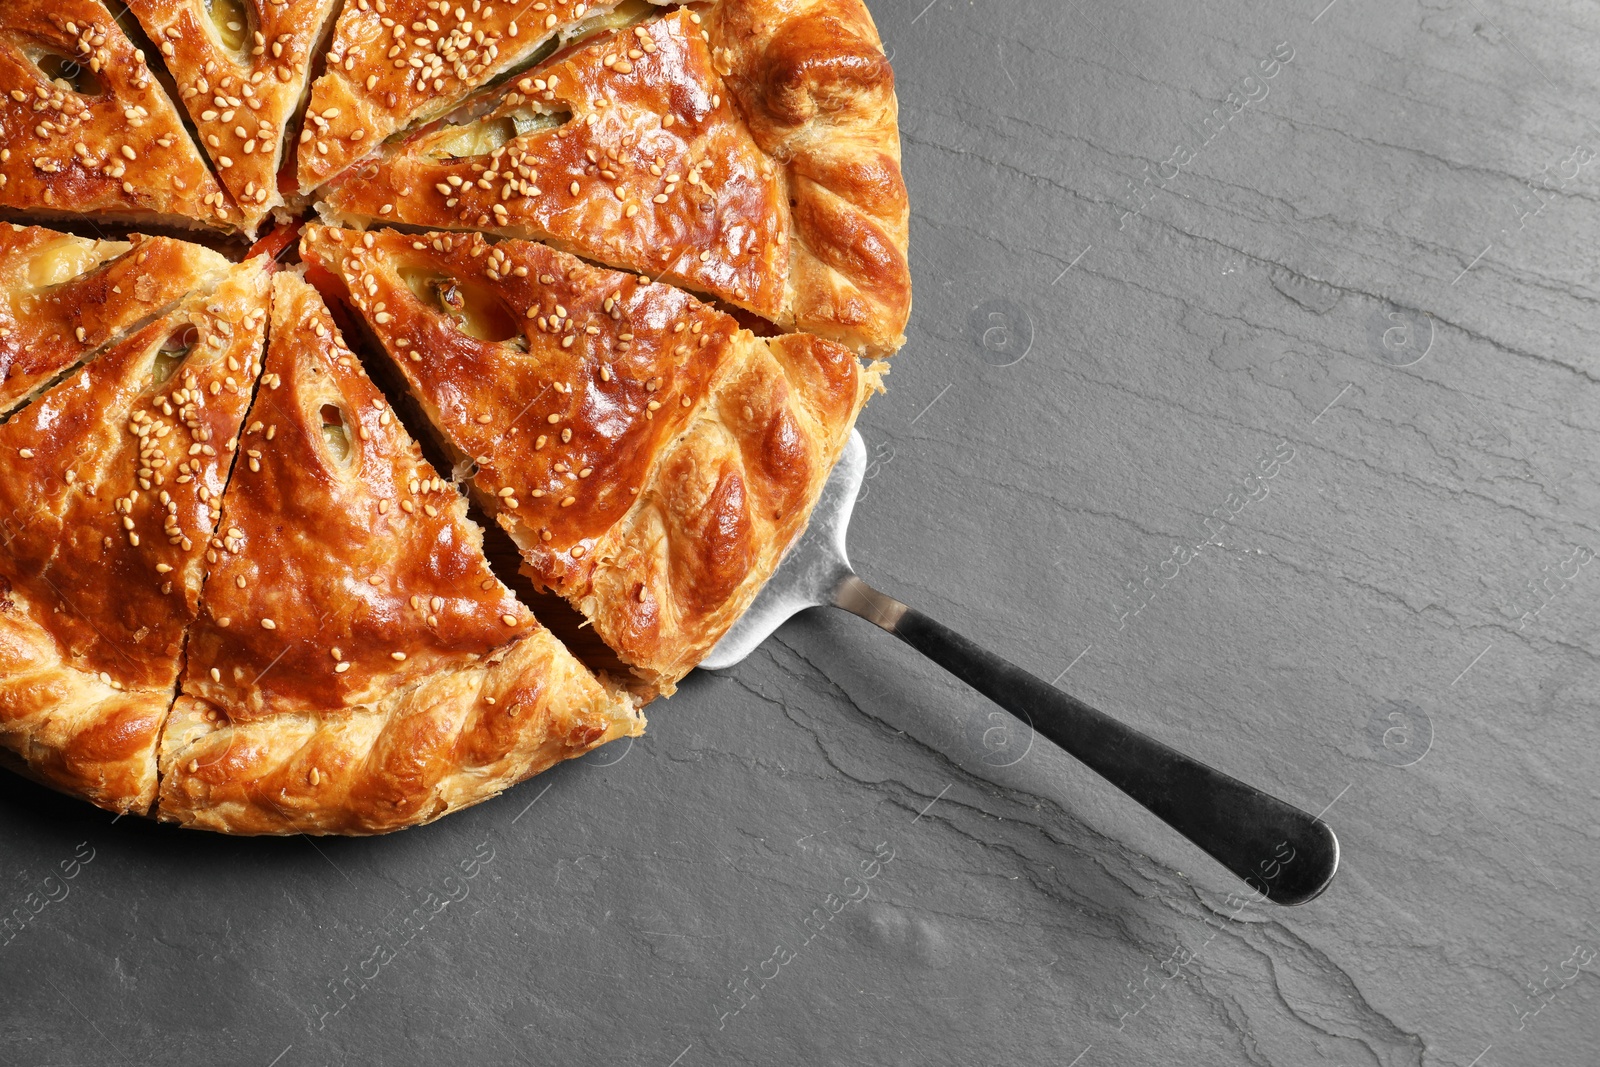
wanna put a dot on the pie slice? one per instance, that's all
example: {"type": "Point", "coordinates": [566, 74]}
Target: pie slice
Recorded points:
{"type": "Point", "coordinates": [242, 69]}
{"type": "Point", "coordinates": [397, 62]}
{"type": "Point", "coordinates": [86, 128]}
{"type": "Point", "coordinates": [355, 666]}
{"type": "Point", "coordinates": [109, 489]}
{"type": "Point", "coordinates": [63, 297]}
{"type": "Point", "coordinates": [650, 459]}
{"type": "Point", "coordinates": [750, 154]}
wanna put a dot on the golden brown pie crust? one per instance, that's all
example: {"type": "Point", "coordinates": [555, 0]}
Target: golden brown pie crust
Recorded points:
{"type": "Point", "coordinates": [817, 92]}
{"type": "Point", "coordinates": [654, 171]}
{"type": "Point", "coordinates": [241, 100]}
{"type": "Point", "coordinates": [751, 154]}
{"type": "Point", "coordinates": [392, 63]}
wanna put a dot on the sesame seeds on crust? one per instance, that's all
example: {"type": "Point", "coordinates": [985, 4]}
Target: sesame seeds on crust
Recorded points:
{"type": "Point", "coordinates": [120, 149]}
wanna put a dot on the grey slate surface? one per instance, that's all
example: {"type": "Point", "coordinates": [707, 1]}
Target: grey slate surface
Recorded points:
{"type": "Point", "coordinates": [1352, 272]}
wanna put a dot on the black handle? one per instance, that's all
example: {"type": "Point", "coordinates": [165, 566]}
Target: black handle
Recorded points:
{"type": "Point", "coordinates": [1280, 851]}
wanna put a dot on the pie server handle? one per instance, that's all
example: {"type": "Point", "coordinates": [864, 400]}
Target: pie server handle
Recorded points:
{"type": "Point", "coordinates": [1281, 852]}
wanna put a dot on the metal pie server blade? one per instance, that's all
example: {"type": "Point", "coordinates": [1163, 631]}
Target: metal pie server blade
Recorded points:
{"type": "Point", "coordinates": [1284, 854]}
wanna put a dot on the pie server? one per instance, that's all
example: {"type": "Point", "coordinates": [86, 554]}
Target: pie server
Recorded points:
{"type": "Point", "coordinates": [1284, 854]}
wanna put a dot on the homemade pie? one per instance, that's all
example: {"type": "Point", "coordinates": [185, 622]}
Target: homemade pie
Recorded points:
{"type": "Point", "coordinates": [393, 511]}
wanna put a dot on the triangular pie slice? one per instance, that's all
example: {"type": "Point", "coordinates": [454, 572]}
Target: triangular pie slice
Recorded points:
{"type": "Point", "coordinates": [62, 296]}
{"type": "Point", "coordinates": [750, 154]}
{"type": "Point", "coordinates": [87, 130]}
{"type": "Point", "coordinates": [394, 63]}
{"type": "Point", "coordinates": [242, 69]}
{"type": "Point", "coordinates": [356, 667]}
{"type": "Point", "coordinates": [650, 459]}
{"type": "Point", "coordinates": [110, 483]}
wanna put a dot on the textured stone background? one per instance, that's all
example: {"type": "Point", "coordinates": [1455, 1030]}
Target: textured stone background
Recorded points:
{"type": "Point", "coordinates": [1385, 266]}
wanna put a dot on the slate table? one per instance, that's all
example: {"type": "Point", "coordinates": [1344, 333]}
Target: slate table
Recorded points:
{"type": "Point", "coordinates": [1251, 394]}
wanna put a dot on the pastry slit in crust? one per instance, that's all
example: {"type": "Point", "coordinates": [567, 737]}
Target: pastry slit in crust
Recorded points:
{"type": "Point", "coordinates": [370, 92]}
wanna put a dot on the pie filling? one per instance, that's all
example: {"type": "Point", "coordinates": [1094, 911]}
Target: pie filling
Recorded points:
{"type": "Point", "coordinates": [636, 460]}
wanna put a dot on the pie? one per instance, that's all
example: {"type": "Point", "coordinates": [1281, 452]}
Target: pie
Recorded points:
{"type": "Point", "coordinates": [649, 458]}
{"type": "Point", "coordinates": [412, 501]}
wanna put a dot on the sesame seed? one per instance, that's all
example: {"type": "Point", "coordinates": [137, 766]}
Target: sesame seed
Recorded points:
{"type": "Point", "coordinates": [268, 624]}
{"type": "Point", "coordinates": [397, 656]}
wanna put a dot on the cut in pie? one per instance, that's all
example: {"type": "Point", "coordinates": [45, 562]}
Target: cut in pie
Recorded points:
{"type": "Point", "coordinates": [109, 487]}
{"type": "Point", "coordinates": [62, 297]}
{"type": "Point", "coordinates": [378, 522]}
{"type": "Point", "coordinates": [242, 70]}
{"type": "Point", "coordinates": [86, 130]}
{"type": "Point", "coordinates": [356, 667]}
{"type": "Point", "coordinates": [749, 154]}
